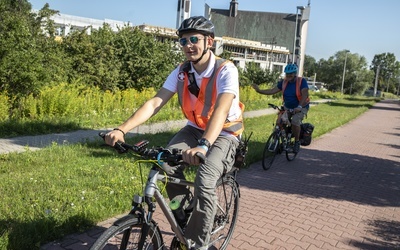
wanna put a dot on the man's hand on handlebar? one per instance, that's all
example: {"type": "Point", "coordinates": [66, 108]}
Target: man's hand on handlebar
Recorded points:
{"type": "Point", "coordinates": [113, 136]}
{"type": "Point", "coordinates": [297, 110]}
{"type": "Point", "coordinates": [194, 156]}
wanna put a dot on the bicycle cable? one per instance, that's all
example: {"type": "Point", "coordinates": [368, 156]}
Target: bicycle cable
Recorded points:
{"type": "Point", "coordinates": [156, 162]}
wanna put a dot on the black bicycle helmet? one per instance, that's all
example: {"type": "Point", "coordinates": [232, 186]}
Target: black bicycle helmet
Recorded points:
{"type": "Point", "coordinates": [196, 24]}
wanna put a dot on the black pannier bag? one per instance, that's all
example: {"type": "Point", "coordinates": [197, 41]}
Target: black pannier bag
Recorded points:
{"type": "Point", "coordinates": [306, 134]}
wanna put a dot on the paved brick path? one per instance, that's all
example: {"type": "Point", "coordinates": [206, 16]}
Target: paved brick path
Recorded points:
{"type": "Point", "coordinates": [341, 192]}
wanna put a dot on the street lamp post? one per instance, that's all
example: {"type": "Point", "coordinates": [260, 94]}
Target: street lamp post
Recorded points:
{"type": "Point", "coordinates": [344, 70]}
{"type": "Point", "coordinates": [376, 79]}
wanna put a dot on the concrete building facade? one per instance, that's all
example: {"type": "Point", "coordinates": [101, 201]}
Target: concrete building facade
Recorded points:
{"type": "Point", "coordinates": [276, 30]}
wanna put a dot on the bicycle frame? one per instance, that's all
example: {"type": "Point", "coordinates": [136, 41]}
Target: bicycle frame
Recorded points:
{"type": "Point", "coordinates": [284, 130]}
{"type": "Point", "coordinates": [279, 140]}
{"type": "Point", "coordinates": [151, 190]}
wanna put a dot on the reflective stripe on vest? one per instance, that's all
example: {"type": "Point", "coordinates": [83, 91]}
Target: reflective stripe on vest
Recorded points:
{"type": "Point", "coordinates": [298, 91]}
{"type": "Point", "coordinates": [204, 105]}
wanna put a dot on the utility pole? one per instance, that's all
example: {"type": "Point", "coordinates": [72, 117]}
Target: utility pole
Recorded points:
{"type": "Point", "coordinates": [344, 70]}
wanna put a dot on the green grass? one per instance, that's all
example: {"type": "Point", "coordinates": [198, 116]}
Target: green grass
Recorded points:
{"type": "Point", "coordinates": [60, 190]}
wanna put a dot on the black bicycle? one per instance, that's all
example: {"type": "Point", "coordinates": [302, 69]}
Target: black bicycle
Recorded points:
{"type": "Point", "coordinates": [280, 140]}
{"type": "Point", "coordinates": [138, 230]}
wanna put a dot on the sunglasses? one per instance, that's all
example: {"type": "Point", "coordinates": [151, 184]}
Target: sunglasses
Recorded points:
{"type": "Point", "coordinates": [193, 40]}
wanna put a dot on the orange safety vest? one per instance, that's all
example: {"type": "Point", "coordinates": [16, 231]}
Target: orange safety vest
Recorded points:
{"type": "Point", "coordinates": [203, 108]}
{"type": "Point", "coordinates": [298, 90]}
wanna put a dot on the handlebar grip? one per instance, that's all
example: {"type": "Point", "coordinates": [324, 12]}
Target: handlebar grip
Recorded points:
{"type": "Point", "coordinates": [201, 157]}
{"type": "Point", "coordinates": [118, 145]}
{"type": "Point", "coordinates": [273, 106]}
{"type": "Point", "coordinates": [102, 135]}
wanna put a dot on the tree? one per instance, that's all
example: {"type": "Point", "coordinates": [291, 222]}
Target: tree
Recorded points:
{"type": "Point", "coordinates": [254, 74]}
{"type": "Point", "coordinates": [357, 76]}
{"type": "Point", "coordinates": [389, 71]}
{"type": "Point", "coordinates": [129, 58]}
{"type": "Point", "coordinates": [27, 61]}
{"type": "Point", "coordinates": [310, 66]}
{"type": "Point", "coordinates": [94, 60]}
{"type": "Point", "coordinates": [146, 62]}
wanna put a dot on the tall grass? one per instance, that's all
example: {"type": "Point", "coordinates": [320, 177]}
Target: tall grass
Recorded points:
{"type": "Point", "coordinates": [4, 107]}
{"type": "Point", "coordinates": [67, 107]}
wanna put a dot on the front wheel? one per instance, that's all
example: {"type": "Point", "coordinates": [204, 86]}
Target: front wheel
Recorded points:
{"type": "Point", "coordinates": [270, 150]}
{"type": "Point", "coordinates": [125, 233]}
{"type": "Point", "coordinates": [227, 191]}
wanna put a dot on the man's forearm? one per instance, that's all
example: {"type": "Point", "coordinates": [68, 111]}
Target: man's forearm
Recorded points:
{"type": "Point", "coordinates": [265, 91]}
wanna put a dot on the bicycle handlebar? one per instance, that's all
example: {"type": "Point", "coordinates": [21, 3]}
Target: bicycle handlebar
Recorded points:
{"type": "Point", "coordinates": [281, 108]}
{"type": "Point", "coordinates": [171, 156]}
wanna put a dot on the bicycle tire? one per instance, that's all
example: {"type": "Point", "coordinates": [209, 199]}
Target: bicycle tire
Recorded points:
{"type": "Point", "coordinates": [270, 150]}
{"type": "Point", "coordinates": [290, 155]}
{"type": "Point", "coordinates": [228, 194]}
{"type": "Point", "coordinates": [127, 230]}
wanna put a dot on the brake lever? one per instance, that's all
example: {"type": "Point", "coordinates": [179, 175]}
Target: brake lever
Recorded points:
{"type": "Point", "coordinates": [120, 148]}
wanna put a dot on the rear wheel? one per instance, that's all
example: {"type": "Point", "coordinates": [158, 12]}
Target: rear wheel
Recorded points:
{"type": "Point", "coordinates": [227, 191]}
{"type": "Point", "coordinates": [125, 234]}
{"type": "Point", "coordinates": [270, 150]}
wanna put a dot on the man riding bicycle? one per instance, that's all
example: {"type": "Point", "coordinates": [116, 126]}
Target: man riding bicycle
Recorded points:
{"type": "Point", "coordinates": [295, 97]}
{"type": "Point", "coordinates": [208, 93]}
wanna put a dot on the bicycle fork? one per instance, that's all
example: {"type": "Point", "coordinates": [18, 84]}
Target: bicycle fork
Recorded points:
{"type": "Point", "coordinates": [274, 143]}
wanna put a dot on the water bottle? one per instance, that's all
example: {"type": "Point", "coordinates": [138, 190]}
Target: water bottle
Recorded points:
{"type": "Point", "coordinates": [178, 212]}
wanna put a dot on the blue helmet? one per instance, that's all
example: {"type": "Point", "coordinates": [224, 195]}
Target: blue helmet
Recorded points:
{"type": "Point", "coordinates": [291, 68]}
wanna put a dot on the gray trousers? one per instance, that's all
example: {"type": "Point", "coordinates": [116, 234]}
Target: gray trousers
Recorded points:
{"type": "Point", "coordinates": [219, 159]}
